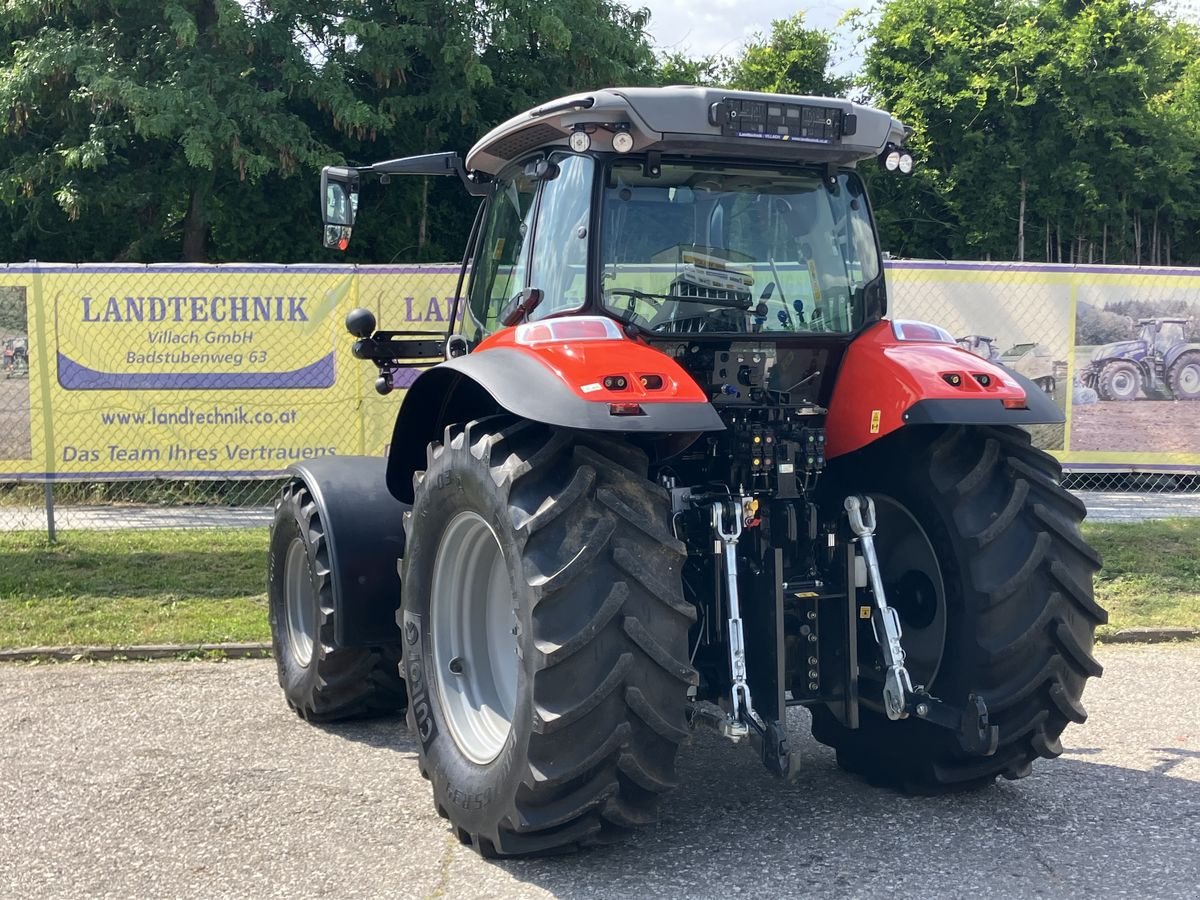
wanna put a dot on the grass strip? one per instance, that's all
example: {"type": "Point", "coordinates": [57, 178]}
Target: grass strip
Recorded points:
{"type": "Point", "coordinates": [200, 586]}
{"type": "Point", "coordinates": [1151, 574]}
{"type": "Point", "coordinates": [117, 588]}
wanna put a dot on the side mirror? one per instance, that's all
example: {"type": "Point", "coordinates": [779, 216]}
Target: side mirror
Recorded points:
{"type": "Point", "coordinates": [339, 204]}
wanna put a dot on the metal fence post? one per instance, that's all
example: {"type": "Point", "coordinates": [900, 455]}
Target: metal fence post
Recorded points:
{"type": "Point", "coordinates": [50, 532]}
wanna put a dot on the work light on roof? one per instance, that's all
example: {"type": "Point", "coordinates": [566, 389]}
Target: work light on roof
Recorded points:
{"type": "Point", "coordinates": [896, 159]}
{"type": "Point", "coordinates": [622, 141]}
{"type": "Point", "coordinates": [580, 141]}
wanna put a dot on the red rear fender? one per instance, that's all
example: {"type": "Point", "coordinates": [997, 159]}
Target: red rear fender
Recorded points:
{"type": "Point", "coordinates": [885, 383]}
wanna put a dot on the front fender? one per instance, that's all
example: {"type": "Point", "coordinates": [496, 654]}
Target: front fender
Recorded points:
{"type": "Point", "coordinates": [559, 383]}
{"type": "Point", "coordinates": [885, 383]}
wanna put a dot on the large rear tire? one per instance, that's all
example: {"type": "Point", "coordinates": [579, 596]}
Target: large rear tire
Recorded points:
{"type": "Point", "coordinates": [1184, 377]}
{"type": "Point", "coordinates": [1019, 610]}
{"type": "Point", "coordinates": [321, 681]}
{"type": "Point", "coordinates": [553, 720]}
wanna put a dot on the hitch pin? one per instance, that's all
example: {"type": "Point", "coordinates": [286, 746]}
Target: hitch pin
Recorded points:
{"type": "Point", "coordinates": [897, 684]}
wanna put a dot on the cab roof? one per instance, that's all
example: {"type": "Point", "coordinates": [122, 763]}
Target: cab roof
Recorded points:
{"type": "Point", "coordinates": [698, 121]}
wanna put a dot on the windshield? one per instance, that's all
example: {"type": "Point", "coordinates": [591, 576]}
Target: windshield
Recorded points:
{"type": "Point", "coordinates": [719, 248]}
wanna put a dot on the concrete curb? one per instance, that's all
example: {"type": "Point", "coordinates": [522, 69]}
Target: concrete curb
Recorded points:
{"type": "Point", "coordinates": [144, 651]}
{"type": "Point", "coordinates": [1151, 635]}
{"type": "Point", "coordinates": [260, 651]}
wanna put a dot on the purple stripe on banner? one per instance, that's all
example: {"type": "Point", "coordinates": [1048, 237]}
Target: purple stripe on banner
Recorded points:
{"type": "Point", "coordinates": [227, 269]}
{"type": "Point", "coordinates": [404, 377]}
{"type": "Point", "coordinates": [76, 377]}
{"type": "Point", "coordinates": [144, 476]}
{"type": "Point", "coordinates": [1059, 268]}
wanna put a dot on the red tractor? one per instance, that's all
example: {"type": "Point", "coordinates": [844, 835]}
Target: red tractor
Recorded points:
{"type": "Point", "coordinates": [674, 469]}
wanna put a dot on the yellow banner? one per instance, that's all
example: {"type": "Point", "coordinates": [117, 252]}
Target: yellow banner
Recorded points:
{"type": "Point", "coordinates": [199, 371]}
{"type": "Point", "coordinates": [118, 371]}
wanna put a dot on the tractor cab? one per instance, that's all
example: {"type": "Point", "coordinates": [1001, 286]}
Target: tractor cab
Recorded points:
{"type": "Point", "coordinates": [1160, 335]}
{"type": "Point", "coordinates": [674, 211]}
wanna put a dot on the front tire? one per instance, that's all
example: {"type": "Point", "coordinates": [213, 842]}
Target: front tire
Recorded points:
{"type": "Point", "coordinates": [551, 721]}
{"type": "Point", "coordinates": [1119, 380]}
{"type": "Point", "coordinates": [1020, 615]}
{"type": "Point", "coordinates": [321, 681]}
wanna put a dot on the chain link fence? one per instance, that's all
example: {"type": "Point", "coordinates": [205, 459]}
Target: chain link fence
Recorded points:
{"type": "Point", "coordinates": [175, 396]}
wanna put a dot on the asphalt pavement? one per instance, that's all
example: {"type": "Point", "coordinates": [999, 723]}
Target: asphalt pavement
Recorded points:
{"type": "Point", "coordinates": [192, 779]}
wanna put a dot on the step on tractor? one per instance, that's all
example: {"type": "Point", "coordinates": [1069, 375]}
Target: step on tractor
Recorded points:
{"type": "Point", "coordinates": [673, 469]}
{"type": "Point", "coordinates": [1161, 364]}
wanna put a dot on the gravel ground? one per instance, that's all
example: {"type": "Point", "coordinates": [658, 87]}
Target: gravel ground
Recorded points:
{"type": "Point", "coordinates": [194, 780]}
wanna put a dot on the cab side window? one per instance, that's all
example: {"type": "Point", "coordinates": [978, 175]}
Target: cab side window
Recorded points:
{"type": "Point", "coordinates": [560, 240]}
{"type": "Point", "coordinates": [499, 272]}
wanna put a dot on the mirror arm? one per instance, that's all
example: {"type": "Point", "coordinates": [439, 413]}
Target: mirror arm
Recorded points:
{"type": "Point", "coordinates": [449, 163]}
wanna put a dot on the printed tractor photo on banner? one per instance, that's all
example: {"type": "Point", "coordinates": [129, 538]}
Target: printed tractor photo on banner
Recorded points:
{"type": "Point", "coordinates": [1016, 317]}
{"type": "Point", "coordinates": [15, 435]}
{"type": "Point", "coordinates": [1137, 364]}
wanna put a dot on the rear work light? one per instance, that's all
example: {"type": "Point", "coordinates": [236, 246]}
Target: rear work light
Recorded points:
{"type": "Point", "coordinates": [908, 330]}
{"type": "Point", "coordinates": [575, 328]}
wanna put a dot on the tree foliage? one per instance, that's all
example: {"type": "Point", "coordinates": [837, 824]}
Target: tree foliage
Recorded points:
{"type": "Point", "coordinates": [1061, 130]}
{"type": "Point", "coordinates": [1048, 129]}
{"type": "Point", "coordinates": [793, 59]}
{"type": "Point", "coordinates": [142, 130]}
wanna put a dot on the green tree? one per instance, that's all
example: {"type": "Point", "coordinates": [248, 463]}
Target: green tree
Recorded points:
{"type": "Point", "coordinates": [141, 131]}
{"type": "Point", "coordinates": [144, 111]}
{"type": "Point", "coordinates": [793, 59]}
{"type": "Point", "coordinates": [679, 68]}
{"type": "Point", "coordinates": [1048, 129]}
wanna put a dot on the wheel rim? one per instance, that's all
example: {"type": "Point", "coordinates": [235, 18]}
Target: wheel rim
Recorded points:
{"type": "Point", "coordinates": [1189, 379]}
{"type": "Point", "coordinates": [301, 604]}
{"type": "Point", "coordinates": [912, 581]}
{"type": "Point", "coordinates": [474, 645]}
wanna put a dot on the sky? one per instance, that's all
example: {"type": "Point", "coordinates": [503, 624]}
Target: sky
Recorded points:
{"type": "Point", "coordinates": [722, 27]}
